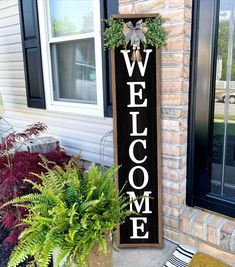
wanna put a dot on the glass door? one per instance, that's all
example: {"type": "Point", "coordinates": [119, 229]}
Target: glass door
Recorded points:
{"type": "Point", "coordinates": [223, 156]}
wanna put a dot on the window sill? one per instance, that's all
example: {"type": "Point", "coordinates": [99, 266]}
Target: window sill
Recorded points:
{"type": "Point", "coordinates": [210, 227]}
{"type": "Point", "coordinates": [77, 109]}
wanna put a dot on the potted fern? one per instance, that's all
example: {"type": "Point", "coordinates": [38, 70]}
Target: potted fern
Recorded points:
{"type": "Point", "coordinates": [72, 213]}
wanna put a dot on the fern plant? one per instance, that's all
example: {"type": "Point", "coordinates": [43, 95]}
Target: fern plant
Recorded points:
{"type": "Point", "coordinates": [71, 213]}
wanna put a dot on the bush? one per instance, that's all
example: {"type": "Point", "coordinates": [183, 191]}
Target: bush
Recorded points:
{"type": "Point", "coordinates": [16, 166]}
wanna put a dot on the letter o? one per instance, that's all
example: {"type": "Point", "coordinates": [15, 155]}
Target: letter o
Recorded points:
{"type": "Point", "coordinates": [131, 180]}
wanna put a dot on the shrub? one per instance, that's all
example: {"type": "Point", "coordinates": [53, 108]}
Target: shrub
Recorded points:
{"type": "Point", "coordinates": [16, 166]}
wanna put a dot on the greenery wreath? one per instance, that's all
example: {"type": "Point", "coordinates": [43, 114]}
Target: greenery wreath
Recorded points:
{"type": "Point", "coordinates": [154, 33]}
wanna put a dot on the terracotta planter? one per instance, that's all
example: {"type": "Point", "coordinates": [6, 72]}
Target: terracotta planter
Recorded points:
{"type": "Point", "coordinates": [96, 258]}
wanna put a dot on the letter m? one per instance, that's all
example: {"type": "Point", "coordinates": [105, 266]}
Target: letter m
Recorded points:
{"type": "Point", "coordinates": [139, 204]}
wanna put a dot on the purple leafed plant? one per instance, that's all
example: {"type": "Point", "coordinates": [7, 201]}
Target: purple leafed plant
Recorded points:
{"type": "Point", "coordinates": [30, 132]}
{"type": "Point", "coordinates": [14, 168]}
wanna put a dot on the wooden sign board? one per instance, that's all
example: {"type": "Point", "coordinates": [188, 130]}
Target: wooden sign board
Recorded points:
{"type": "Point", "coordinates": [136, 108]}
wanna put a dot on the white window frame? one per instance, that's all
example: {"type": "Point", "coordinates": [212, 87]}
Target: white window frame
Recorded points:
{"type": "Point", "coordinates": [46, 39]}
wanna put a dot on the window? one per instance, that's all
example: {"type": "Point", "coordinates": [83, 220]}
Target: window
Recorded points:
{"type": "Point", "coordinates": [65, 59]}
{"type": "Point", "coordinates": [72, 55]}
{"type": "Point", "coordinates": [211, 137]}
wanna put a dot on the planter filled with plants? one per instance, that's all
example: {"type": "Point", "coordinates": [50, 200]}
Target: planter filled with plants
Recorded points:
{"type": "Point", "coordinates": [70, 215]}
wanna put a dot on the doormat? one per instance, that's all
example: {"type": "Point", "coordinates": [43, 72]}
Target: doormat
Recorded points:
{"type": "Point", "coordinates": [180, 258]}
{"type": "Point", "coordinates": [204, 260]}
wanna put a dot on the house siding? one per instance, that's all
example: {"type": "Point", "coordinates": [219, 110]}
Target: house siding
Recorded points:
{"type": "Point", "coordinates": [206, 231]}
{"type": "Point", "coordinates": [75, 133]}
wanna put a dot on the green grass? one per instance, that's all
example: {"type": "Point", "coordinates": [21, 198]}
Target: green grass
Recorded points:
{"type": "Point", "coordinates": [221, 117]}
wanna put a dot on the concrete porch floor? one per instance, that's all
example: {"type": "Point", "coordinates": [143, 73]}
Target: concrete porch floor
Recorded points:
{"type": "Point", "coordinates": [143, 257]}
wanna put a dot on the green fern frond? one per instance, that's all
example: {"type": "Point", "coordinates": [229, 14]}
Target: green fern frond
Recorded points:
{"type": "Point", "coordinates": [33, 198]}
{"type": "Point", "coordinates": [62, 255]}
{"type": "Point", "coordinates": [102, 243]}
{"type": "Point", "coordinates": [72, 212]}
{"type": "Point", "coordinates": [35, 185]}
{"type": "Point", "coordinates": [52, 239]}
{"type": "Point", "coordinates": [25, 248]}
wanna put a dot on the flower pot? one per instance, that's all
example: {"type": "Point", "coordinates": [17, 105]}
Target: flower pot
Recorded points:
{"type": "Point", "coordinates": [96, 258]}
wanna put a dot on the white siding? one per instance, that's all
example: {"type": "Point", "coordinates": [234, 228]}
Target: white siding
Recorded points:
{"type": "Point", "coordinates": [76, 133]}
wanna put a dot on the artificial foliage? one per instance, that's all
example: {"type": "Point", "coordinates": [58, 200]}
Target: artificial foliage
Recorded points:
{"type": "Point", "coordinates": [16, 166]}
{"type": "Point", "coordinates": [155, 34]}
{"type": "Point", "coordinates": [113, 34]}
{"type": "Point", "coordinates": [72, 212]}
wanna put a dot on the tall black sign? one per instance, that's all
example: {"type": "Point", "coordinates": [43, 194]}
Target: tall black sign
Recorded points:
{"type": "Point", "coordinates": [136, 105]}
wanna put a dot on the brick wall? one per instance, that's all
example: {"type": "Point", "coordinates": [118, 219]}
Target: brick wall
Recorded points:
{"type": "Point", "coordinates": [205, 231]}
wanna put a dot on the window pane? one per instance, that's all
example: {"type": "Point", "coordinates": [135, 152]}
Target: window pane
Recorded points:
{"type": "Point", "coordinates": [74, 72]}
{"type": "Point", "coordinates": [223, 160]}
{"type": "Point", "coordinates": [70, 17]}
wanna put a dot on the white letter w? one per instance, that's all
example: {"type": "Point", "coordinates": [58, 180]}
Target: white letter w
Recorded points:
{"type": "Point", "coordinates": [130, 67]}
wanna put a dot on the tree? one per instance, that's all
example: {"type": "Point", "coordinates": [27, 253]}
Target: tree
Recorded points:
{"type": "Point", "coordinates": [63, 26]}
{"type": "Point", "coordinates": [223, 42]}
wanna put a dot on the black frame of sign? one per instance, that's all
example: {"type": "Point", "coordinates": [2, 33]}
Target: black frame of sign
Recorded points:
{"type": "Point", "coordinates": [149, 222]}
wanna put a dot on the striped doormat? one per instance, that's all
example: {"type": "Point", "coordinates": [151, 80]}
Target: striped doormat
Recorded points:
{"type": "Point", "coordinates": [180, 258]}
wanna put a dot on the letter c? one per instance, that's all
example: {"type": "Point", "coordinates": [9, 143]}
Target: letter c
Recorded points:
{"type": "Point", "coordinates": [131, 151]}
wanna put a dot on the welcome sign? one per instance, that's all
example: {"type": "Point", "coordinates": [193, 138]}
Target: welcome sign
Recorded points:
{"type": "Point", "coordinates": [136, 107]}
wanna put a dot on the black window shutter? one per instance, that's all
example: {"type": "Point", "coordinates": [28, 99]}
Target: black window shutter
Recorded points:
{"type": "Point", "coordinates": [108, 8]}
{"type": "Point", "coordinates": [32, 53]}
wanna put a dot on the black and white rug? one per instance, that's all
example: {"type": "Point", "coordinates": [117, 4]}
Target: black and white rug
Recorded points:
{"type": "Point", "coordinates": [180, 257]}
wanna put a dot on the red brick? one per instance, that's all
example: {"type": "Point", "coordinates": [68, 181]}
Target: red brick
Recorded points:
{"type": "Point", "coordinates": [177, 112]}
{"type": "Point", "coordinates": [172, 87]}
{"type": "Point", "coordinates": [174, 125]}
{"type": "Point", "coordinates": [171, 210]}
{"type": "Point", "coordinates": [185, 219]}
{"type": "Point", "coordinates": [212, 228]}
{"type": "Point", "coordinates": [188, 14]}
{"type": "Point", "coordinates": [174, 138]}
{"type": "Point", "coordinates": [176, 29]}
{"type": "Point", "coordinates": [173, 15]}
{"type": "Point", "coordinates": [179, 3]}
{"type": "Point", "coordinates": [177, 44]}
{"type": "Point", "coordinates": [171, 222]}
{"type": "Point", "coordinates": [198, 224]}
{"type": "Point", "coordinates": [171, 59]}
{"type": "Point", "coordinates": [174, 199]}
{"type": "Point", "coordinates": [178, 99]}
{"type": "Point", "coordinates": [170, 73]}
{"type": "Point", "coordinates": [124, 1]}
{"type": "Point", "coordinates": [174, 162]}
{"type": "Point", "coordinates": [175, 175]}
{"type": "Point", "coordinates": [180, 237]}
{"type": "Point", "coordinates": [228, 227]}
{"type": "Point", "coordinates": [125, 9]}
{"type": "Point", "coordinates": [173, 186]}
{"type": "Point", "coordinates": [173, 150]}
{"type": "Point", "coordinates": [149, 6]}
